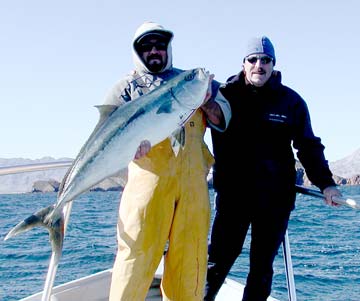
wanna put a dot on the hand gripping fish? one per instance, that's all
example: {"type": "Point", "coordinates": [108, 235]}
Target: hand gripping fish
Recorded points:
{"type": "Point", "coordinates": [114, 141]}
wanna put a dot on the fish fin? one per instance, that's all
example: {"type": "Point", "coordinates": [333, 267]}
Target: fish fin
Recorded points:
{"type": "Point", "coordinates": [34, 220]}
{"type": "Point", "coordinates": [165, 108]}
{"type": "Point", "coordinates": [56, 228]}
{"type": "Point", "coordinates": [105, 111]}
{"type": "Point", "coordinates": [177, 139]}
{"type": "Point", "coordinates": [56, 237]}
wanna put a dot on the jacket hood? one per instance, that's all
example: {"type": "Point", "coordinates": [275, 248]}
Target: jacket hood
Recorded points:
{"type": "Point", "coordinates": [144, 29]}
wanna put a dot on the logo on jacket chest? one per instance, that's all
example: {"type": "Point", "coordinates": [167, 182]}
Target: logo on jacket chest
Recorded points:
{"type": "Point", "coordinates": [275, 117]}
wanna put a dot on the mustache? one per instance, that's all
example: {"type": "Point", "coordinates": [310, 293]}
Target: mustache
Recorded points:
{"type": "Point", "coordinates": [154, 56]}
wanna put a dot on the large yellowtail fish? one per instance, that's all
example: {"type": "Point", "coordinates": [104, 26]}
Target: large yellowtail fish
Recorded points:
{"type": "Point", "coordinates": [114, 141]}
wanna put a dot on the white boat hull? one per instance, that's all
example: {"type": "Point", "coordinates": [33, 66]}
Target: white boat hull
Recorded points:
{"type": "Point", "coordinates": [96, 287]}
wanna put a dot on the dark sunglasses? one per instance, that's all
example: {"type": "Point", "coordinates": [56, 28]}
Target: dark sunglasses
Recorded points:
{"type": "Point", "coordinates": [146, 47]}
{"type": "Point", "coordinates": [263, 59]}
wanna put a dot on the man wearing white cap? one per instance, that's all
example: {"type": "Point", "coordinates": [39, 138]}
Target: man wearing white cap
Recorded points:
{"type": "Point", "coordinates": [165, 203]}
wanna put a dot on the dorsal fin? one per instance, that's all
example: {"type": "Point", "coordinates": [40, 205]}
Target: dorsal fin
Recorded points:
{"type": "Point", "coordinates": [105, 111]}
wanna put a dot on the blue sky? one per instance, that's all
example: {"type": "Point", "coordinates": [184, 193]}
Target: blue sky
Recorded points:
{"type": "Point", "coordinates": [59, 58]}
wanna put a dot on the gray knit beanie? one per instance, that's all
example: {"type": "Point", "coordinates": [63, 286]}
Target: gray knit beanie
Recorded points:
{"type": "Point", "coordinates": [260, 45]}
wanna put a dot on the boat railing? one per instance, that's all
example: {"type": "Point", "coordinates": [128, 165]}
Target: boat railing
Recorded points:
{"type": "Point", "coordinates": [289, 272]}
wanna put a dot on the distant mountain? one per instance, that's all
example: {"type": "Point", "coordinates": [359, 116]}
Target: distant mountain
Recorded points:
{"type": "Point", "coordinates": [48, 180]}
{"type": "Point", "coordinates": [348, 167]}
{"type": "Point", "coordinates": [23, 182]}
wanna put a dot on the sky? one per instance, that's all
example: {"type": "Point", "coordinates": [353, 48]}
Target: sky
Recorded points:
{"type": "Point", "coordinates": [58, 59]}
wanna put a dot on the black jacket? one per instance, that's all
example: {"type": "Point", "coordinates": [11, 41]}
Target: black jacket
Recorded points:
{"type": "Point", "coordinates": [257, 145]}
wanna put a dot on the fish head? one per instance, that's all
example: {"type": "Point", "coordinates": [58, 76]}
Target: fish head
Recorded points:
{"type": "Point", "coordinates": [187, 94]}
{"type": "Point", "coordinates": [192, 88]}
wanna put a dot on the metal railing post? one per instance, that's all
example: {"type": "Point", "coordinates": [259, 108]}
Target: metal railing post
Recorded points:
{"type": "Point", "coordinates": [54, 262]}
{"type": "Point", "coordinates": [289, 268]}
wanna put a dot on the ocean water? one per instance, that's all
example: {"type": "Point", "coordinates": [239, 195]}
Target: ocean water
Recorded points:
{"type": "Point", "coordinates": [324, 243]}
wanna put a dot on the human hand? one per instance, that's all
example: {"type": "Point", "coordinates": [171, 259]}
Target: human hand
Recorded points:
{"type": "Point", "coordinates": [143, 149]}
{"type": "Point", "coordinates": [330, 192]}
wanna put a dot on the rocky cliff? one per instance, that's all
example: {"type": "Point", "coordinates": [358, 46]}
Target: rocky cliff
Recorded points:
{"type": "Point", "coordinates": [346, 172]}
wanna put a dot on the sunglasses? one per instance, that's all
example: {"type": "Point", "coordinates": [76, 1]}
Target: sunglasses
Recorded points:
{"type": "Point", "coordinates": [263, 59]}
{"type": "Point", "coordinates": [147, 47]}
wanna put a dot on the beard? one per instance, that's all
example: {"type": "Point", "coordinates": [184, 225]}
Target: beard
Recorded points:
{"type": "Point", "coordinates": [155, 63]}
{"type": "Point", "coordinates": [155, 67]}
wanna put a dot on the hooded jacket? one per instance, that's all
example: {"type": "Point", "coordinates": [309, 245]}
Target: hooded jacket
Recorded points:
{"type": "Point", "coordinates": [140, 81]}
{"type": "Point", "coordinates": [267, 122]}
{"type": "Point", "coordinates": [143, 30]}
{"type": "Point", "coordinates": [165, 201]}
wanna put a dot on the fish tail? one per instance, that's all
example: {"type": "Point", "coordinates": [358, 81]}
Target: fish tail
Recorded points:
{"type": "Point", "coordinates": [41, 218]}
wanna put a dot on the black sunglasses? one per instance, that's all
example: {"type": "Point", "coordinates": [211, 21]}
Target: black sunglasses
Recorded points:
{"type": "Point", "coordinates": [263, 59]}
{"type": "Point", "coordinates": [146, 47]}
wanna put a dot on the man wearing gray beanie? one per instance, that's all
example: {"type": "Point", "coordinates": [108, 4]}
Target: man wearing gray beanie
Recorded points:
{"type": "Point", "coordinates": [261, 45]}
{"type": "Point", "coordinates": [268, 119]}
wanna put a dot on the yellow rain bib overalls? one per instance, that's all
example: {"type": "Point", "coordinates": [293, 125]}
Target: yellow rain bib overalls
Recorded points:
{"type": "Point", "coordinates": [165, 204]}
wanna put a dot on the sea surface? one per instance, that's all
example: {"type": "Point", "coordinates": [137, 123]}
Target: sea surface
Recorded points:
{"type": "Point", "coordinates": [324, 244]}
